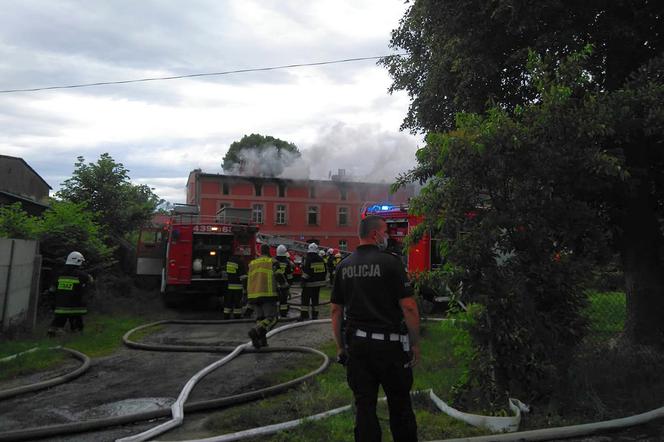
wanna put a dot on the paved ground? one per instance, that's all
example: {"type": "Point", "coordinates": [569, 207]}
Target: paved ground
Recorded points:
{"type": "Point", "coordinates": [134, 380]}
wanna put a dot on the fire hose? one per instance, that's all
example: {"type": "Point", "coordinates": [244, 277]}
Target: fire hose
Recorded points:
{"type": "Point", "coordinates": [97, 424]}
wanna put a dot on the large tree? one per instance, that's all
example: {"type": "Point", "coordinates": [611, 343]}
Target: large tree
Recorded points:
{"type": "Point", "coordinates": [260, 155]}
{"type": "Point", "coordinates": [471, 56]}
{"type": "Point", "coordinates": [106, 190]}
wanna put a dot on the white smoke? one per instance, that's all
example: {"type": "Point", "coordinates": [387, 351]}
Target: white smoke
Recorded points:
{"type": "Point", "coordinates": [366, 154]}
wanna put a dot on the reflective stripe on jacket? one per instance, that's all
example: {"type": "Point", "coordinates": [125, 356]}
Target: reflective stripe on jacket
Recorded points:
{"type": "Point", "coordinates": [261, 283]}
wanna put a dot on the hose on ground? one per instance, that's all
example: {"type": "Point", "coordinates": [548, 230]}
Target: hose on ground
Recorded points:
{"type": "Point", "coordinates": [11, 392]}
{"type": "Point", "coordinates": [177, 409]}
{"type": "Point", "coordinates": [97, 424]}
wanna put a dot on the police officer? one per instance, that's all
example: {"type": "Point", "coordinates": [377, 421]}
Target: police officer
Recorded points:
{"type": "Point", "coordinates": [262, 295]}
{"type": "Point", "coordinates": [372, 289]}
{"type": "Point", "coordinates": [70, 288]}
{"type": "Point", "coordinates": [313, 278]}
{"type": "Point", "coordinates": [236, 270]}
{"type": "Point", "coordinates": [284, 279]}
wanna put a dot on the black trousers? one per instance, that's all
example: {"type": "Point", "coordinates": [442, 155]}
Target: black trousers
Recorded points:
{"type": "Point", "coordinates": [75, 322]}
{"type": "Point", "coordinates": [310, 297]}
{"type": "Point", "coordinates": [233, 302]}
{"type": "Point", "coordinates": [372, 363]}
{"type": "Point", "coordinates": [283, 294]}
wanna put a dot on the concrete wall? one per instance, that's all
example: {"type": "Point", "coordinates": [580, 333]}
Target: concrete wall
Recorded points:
{"type": "Point", "coordinates": [20, 265]}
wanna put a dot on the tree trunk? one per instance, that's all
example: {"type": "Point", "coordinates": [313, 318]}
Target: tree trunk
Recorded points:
{"type": "Point", "coordinates": [644, 282]}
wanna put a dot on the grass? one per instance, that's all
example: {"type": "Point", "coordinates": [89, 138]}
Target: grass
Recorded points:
{"type": "Point", "coordinates": [607, 312]}
{"type": "Point", "coordinates": [102, 336]}
{"type": "Point", "coordinates": [438, 369]}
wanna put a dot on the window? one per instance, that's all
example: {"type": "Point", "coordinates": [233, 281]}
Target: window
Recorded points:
{"type": "Point", "coordinates": [312, 192]}
{"type": "Point", "coordinates": [225, 188]}
{"type": "Point", "coordinates": [343, 216]}
{"type": "Point", "coordinates": [281, 214]}
{"type": "Point", "coordinates": [343, 193]}
{"type": "Point", "coordinates": [257, 213]}
{"type": "Point", "coordinates": [343, 244]}
{"type": "Point", "coordinates": [282, 190]}
{"type": "Point", "coordinates": [259, 189]}
{"type": "Point", "coordinates": [312, 216]}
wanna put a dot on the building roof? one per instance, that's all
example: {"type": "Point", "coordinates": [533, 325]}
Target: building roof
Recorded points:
{"type": "Point", "coordinates": [274, 179]}
{"type": "Point", "coordinates": [28, 166]}
{"type": "Point", "coordinates": [24, 199]}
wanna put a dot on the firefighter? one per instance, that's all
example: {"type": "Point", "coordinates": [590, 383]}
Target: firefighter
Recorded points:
{"type": "Point", "coordinates": [335, 263]}
{"type": "Point", "coordinates": [236, 270]}
{"type": "Point", "coordinates": [262, 295]}
{"type": "Point", "coordinates": [381, 334]}
{"type": "Point", "coordinates": [284, 279]}
{"type": "Point", "coordinates": [70, 287]}
{"type": "Point", "coordinates": [329, 264]}
{"type": "Point", "coordinates": [313, 278]}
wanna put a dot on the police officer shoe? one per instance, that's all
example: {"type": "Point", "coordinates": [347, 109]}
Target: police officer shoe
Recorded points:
{"type": "Point", "coordinates": [255, 338]}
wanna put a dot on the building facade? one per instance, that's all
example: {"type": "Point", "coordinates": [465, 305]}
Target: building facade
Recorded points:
{"type": "Point", "coordinates": [327, 212]}
{"type": "Point", "coordinates": [20, 183]}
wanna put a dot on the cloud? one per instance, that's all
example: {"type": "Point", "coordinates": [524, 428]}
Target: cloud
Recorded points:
{"type": "Point", "coordinates": [162, 130]}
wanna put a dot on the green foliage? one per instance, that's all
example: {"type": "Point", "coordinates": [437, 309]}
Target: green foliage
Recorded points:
{"type": "Point", "coordinates": [16, 223]}
{"type": "Point", "coordinates": [263, 155]}
{"type": "Point", "coordinates": [462, 55]}
{"type": "Point", "coordinates": [105, 189]}
{"type": "Point", "coordinates": [68, 226]}
{"type": "Point", "coordinates": [63, 227]}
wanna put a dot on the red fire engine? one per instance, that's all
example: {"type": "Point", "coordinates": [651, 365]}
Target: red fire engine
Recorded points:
{"type": "Point", "coordinates": [422, 256]}
{"type": "Point", "coordinates": [189, 253]}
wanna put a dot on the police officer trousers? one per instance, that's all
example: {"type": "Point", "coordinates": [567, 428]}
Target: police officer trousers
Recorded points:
{"type": "Point", "coordinates": [372, 363]}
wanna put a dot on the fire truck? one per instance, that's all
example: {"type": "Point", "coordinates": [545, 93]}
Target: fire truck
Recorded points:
{"type": "Point", "coordinates": [188, 253]}
{"type": "Point", "coordinates": [422, 256]}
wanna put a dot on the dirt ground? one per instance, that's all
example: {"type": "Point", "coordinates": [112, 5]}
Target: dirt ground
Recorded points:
{"type": "Point", "coordinates": [134, 380]}
{"type": "Point", "coordinates": [129, 380]}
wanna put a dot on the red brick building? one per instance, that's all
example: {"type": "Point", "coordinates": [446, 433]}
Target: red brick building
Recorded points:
{"type": "Point", "coordinates": [327, 211]}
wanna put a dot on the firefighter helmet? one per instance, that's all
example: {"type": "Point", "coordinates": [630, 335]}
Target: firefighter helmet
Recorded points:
{"type": "Point", "coordinates": [282, 250]}
{"type": "Point", "coordinates": [330, 251]}
{"type": "Point", "coordinates": [75, 259]}
{"type": "Point", "coordinates": [321, 253]}
{"type": "Point", "coordinates": [313, 248]}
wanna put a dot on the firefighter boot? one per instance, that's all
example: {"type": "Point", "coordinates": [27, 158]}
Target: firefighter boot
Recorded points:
{"type": "Point", "coordinates": [262, 337]}
{"type": "Point", "coordinates": [255, 338]}
{"type": "Point", "coordinates": [304, 315]}
{"type": "Point", "coordinates": [314, 315]}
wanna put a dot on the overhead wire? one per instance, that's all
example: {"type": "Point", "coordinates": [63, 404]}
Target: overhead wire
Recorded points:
{"type": "Point", "coordinates": [202, 74]}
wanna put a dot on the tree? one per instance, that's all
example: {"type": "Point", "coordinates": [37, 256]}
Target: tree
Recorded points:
{"type": "Point", "coordinates": [16, 222]}
{"type": "Point", "coordinates": [259, 155]}
{"type": "Point", "coordinates": [105, 189]}
{"type": "Point", "coordinates": [470, 57]}
{"type": "Point", "coordinates": [62, 228]}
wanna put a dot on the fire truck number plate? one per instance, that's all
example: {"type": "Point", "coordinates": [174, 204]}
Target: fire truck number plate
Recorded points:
{"type": "Point", "coordinates": [204, 228]}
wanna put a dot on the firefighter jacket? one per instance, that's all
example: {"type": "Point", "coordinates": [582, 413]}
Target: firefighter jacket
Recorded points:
{"type": "Point", "coordinates": [236, 271]}
{"type": "Point", "coordinates": [285, 272]}
{"type": "Point", "coordinates": [313, 271]}
{"type": "Point", "coordinates": [70, 287]}
{"type": "Point", "coordinates": [262, 282]}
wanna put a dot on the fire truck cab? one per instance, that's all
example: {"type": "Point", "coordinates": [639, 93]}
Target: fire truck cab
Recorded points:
{"type": "Point", "coordinates": [422, 256]}
{"type": "Point", "coordinates": [194, 250]}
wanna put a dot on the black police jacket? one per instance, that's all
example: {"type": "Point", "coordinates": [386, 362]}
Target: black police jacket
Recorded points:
{"type": "Point", "coordinates": [369, 284]}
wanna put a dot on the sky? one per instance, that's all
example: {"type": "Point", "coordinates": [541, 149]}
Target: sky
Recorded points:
{"type": "Point", "coordinates": [340, 116]}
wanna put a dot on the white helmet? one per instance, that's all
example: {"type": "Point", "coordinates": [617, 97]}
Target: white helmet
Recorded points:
{"type": "Point", "coordinates": [282, 250]}
{"type": "Point", "coordinates": [321, 253]}
{"type": "Point", "coordinates": [75, 259]}
{"type": "Point", "coordinates": [313, 248]}
{"type": "Point", "coordinates": [330, 251]}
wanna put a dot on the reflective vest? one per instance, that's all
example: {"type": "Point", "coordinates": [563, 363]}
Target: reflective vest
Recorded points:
{"type": "Point", "coordinates": [235, 273]}
{"type": "Point", "coordinates": [69, 288]}
{"type": "Point", "coordinates": [261, 283]}
{"type": "Point", "coordinates": [314, 271]}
